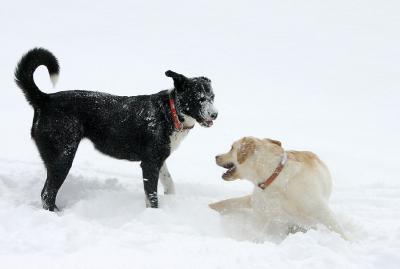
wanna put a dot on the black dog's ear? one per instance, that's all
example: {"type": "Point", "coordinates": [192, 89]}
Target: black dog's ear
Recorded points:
{"type": "Point", "coordinates": [206, 79]}
{"type": "Point", "coordinates": [178, 79]}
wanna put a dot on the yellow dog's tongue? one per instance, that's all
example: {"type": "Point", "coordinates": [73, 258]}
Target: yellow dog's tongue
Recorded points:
{"type": "Point", "coordinates": [229, 173]}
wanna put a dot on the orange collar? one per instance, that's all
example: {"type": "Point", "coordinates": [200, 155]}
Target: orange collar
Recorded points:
{"type": "Point", "coordinates": [177, 123]}
{"type": "Point", "coordinates": [275, 174]}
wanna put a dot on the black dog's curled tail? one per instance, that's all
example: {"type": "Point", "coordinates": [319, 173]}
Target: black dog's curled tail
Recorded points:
{"type": "Point", "coordinates": [24, 74]}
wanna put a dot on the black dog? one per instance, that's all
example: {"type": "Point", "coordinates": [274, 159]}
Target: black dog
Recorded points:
{"type": "Point", "coordinates": [144, 128]}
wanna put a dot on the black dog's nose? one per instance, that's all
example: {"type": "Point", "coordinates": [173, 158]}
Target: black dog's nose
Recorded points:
{"type": "Point", "coordinates": [214, 115]}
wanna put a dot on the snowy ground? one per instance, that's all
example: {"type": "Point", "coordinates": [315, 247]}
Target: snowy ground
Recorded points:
{"type": "Point", "coordinates": [104, 224]}
{"type": "Point", "coordinates": [322, 76]}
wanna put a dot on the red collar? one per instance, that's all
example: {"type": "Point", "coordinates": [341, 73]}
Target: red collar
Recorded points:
{"type": "Point", "coordinates": [177, 123]}
{"type": "Point", "coordinates": [275, 174]}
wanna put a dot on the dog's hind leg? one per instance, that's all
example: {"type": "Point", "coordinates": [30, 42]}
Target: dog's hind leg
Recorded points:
{"type": "Point", "coordinates": [324, 215]}
{"type": "Point", "coordinates": [57, 171]}
{"type": "Point", "coordinates": [166, 180]}
{"type": "Point", "coordinates": [57, 146]}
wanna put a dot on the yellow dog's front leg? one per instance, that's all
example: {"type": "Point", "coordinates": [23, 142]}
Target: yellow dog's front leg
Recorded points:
{"type": "Point", "coordinates": [225, 206]}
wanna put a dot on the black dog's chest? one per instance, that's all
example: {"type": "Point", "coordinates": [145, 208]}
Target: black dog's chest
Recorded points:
{"type": "Point", "coordinates": [176, 139]}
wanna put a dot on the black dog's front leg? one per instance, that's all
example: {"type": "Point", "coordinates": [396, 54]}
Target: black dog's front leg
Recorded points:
{"type": "Point", "coordinates": [151, 172]}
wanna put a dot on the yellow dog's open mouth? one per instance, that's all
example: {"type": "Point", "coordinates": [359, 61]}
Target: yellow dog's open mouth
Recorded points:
{"type": "Point", "coordinates": [231, 171]}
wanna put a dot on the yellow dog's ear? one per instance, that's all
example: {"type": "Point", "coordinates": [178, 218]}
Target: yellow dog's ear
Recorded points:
{"type": "Point", "coordinates": [246, 148]}
{"type": "Point", "coordinates": [276, 142]}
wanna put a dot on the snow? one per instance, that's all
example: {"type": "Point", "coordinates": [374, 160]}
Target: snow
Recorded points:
{"type": "Point", "coordinates": [320, 76]}
{"type": "Point", "coordinates": [104, 224]}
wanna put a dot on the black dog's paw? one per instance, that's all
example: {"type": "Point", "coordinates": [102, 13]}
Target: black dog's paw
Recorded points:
{"type": "Point", "coordinates": [152, 200]}
{"type": "Point", "coordinates": [52, 208]}
{"type": "Point", "coordinates": [49, 200]}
